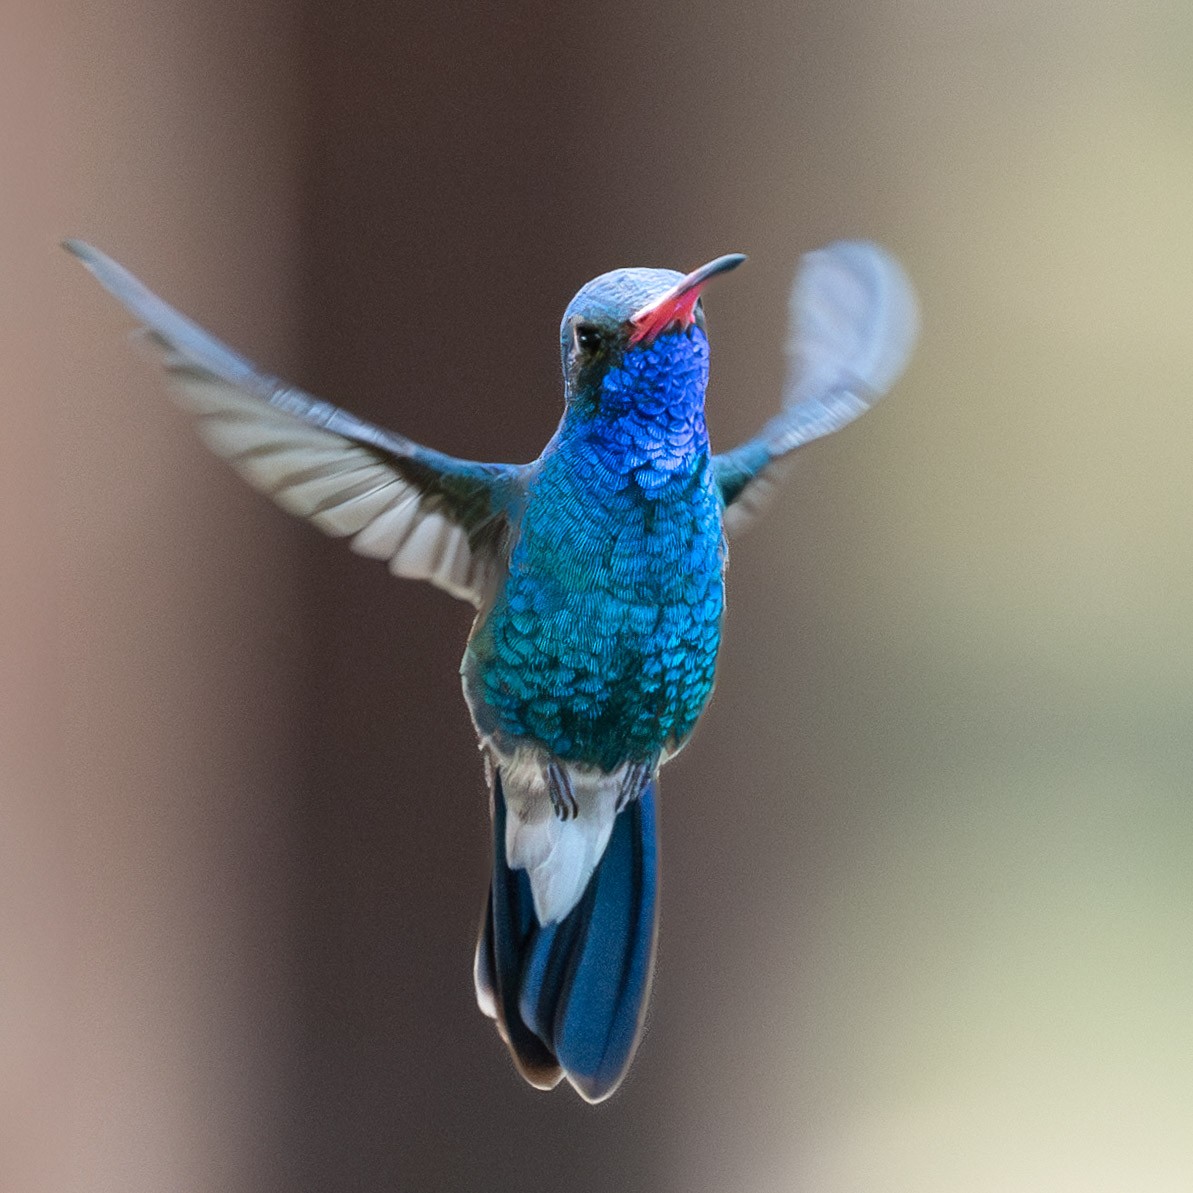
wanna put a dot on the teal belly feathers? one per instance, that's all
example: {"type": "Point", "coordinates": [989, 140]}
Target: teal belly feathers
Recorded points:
{"type": "Point", "coordinates": [602, 645]}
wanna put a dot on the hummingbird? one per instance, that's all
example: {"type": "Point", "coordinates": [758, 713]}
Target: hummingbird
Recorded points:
{"type": "Point", "coordinates": [597, 576]}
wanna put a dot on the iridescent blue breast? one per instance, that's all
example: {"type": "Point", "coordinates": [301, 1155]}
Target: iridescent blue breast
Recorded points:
{"type": "Point", "coordinates": [602, 645]}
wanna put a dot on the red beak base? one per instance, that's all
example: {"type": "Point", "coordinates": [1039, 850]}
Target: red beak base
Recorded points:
{"type": "Point", "coordinates": [678, 305]}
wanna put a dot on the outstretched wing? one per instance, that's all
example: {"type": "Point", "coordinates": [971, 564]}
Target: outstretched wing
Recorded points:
{"type": "Point", "coordinates": [854, 320]}
{"type": "Point", "coordinates": [432, 517]}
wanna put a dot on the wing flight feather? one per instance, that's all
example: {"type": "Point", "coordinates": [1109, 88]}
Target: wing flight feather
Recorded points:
{"type": "Point", "coordinates": [429, 515]}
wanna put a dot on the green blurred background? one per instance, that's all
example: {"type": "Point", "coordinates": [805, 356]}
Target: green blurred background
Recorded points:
{"type": "Point", "coordinates": [928, 901]}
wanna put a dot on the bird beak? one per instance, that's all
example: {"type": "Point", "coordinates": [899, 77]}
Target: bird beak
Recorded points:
{"type": "Point", "coordinates": [678, 305]}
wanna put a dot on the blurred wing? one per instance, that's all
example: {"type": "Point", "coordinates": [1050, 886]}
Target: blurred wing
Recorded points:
{"type": "Point", "coordinates": [432, 517]}
{"type": "Point", "coordinates": [854, 320]}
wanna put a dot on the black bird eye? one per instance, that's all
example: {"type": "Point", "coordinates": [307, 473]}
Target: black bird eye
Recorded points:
{"type": "Point", "coordinates": [587, 337]}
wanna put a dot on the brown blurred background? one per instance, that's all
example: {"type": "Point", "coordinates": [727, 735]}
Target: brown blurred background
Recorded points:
{"type": "Point", "coordinates": [928, 898]}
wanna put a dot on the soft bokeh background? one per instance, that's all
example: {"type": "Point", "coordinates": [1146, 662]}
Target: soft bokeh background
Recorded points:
{"type": "Point", "coordinates": [928, 901]}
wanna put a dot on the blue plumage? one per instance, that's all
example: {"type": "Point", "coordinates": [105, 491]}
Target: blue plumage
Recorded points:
{"type": "Point", "coordinates": [570, 996]}
{"type": "Point", "coordinates": [597, 575]}
{"type": "Point", "coordinates": [602, 643]}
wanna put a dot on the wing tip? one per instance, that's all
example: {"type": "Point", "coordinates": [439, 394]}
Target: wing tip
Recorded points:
{"type": "Point", "coordinates": [853, 308]}
{"type": "Point", "coordinates": [97, 262]}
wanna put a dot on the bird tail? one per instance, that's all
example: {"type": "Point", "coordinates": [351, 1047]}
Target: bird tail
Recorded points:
{"type": "Point", "coordinates": [570, 997]}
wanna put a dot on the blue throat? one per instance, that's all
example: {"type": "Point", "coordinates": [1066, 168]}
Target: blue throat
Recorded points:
{"type": "Point", "coordinates": [646, 420]}
{"type": "Point", "coordinates": [602, 645]}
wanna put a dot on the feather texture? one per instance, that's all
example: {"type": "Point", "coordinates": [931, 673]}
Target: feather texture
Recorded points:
{"type": "Point", "coordinates": [429, 516]}
{"type": "Point", "coordinates": [854, 321]}
{"type": "Point", "coordinates": [570, 997]}
{"type": "Point", "coordinates": [598, 573]}
{"type": "Point", "coordinates": [558, 819]}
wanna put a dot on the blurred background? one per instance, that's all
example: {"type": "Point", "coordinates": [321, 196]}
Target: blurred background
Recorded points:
{"type": "Point", "coordinates": [928, 893]}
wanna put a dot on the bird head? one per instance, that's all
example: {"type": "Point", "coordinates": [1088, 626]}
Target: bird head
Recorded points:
{"type": "Point", "coordinates": [637, 329]}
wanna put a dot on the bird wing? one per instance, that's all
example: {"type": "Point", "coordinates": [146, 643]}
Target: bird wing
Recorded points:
{"type": "Point", "coordinates": [854, 320]}
{"type": "Point", "coordinates": [431, 516]}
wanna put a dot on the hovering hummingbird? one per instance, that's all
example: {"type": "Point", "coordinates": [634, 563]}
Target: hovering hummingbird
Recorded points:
{"type": "Point", "coordinates": [597, 573]}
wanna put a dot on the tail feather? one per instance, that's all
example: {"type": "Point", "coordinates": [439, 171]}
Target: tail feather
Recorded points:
{"type": "Point", "coordinates": [506, 934]}
{"type": "Point", "coordinates": [570, 998]}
